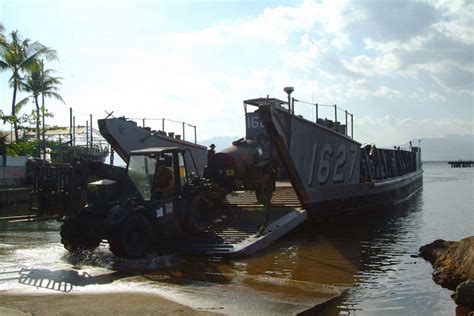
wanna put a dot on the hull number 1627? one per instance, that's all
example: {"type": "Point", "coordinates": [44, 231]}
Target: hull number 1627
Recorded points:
{"type": "Point", "coordinates": [325, 169]}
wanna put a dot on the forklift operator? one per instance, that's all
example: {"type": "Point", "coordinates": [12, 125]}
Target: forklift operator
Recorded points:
{"type": "Point", "coordinates": [164, 180]}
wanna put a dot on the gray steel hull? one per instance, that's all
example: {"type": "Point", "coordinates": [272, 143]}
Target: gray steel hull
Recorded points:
{"type": "Point", "coordinates": [369, 196]}
{"type": "Point", "coordinates": [324, 167]}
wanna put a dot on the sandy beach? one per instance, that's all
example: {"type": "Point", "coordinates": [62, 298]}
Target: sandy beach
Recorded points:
{"type": "Point", "coordinates": [91, 304]}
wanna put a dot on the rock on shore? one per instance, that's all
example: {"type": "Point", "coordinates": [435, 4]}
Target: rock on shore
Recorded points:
{"type": "Point", "coordinates": [454, 267]}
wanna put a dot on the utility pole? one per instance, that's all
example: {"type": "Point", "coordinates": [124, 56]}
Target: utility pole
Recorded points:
{"type": "Point", "coordinates": [70, 126]}
{"type": "Point", "coordinates": [42, 109]}
{"type": "Point", "coordinates": [92, 138]}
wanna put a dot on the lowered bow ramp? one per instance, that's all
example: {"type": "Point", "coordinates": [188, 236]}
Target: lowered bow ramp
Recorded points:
{"type": "Point", "coordinates": [322, 164]}
{"type": "Point", "coordinates": [236, 232]}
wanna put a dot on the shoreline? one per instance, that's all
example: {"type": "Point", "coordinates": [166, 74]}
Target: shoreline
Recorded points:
{"type": "Point", "coordinates": [121, 303]}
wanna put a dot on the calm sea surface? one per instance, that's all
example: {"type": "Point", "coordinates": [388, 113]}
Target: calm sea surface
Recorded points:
{"type": "Point", "coordinates": [374, 255]}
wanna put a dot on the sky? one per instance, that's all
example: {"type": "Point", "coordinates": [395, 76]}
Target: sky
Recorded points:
{"type": "Point", "coordinates": [405, 69]}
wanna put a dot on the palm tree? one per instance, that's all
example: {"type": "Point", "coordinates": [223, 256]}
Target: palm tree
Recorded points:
{"type": "Point", "coordinates": [39, 82]}
{"type": "Point", "coordinates": [20, 55]}
{"type": "Point", "coordinates": [2, 37]}
{"type": "Point", "coordinates": [2, 46]}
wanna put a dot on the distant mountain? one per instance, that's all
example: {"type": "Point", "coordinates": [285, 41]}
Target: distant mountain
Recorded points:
{"type": "Point", "coordinates": [220, 142]}
{"type": "Point", "coordinates": [451, 147]}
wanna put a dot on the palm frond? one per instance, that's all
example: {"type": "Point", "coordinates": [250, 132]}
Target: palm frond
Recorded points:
{"type": "Point", "coordinates": [19, 106]}
{"type": "Point", "coordinates": [2, 36]}
{"type": "Point", "coordinates": [40, 50]}
{"type": "Point", "coordinates": [26, 85]}
{"type": "Point", "coordinates": [54, 95]}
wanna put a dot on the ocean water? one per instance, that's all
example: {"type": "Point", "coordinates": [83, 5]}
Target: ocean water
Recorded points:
{"type": "Point", "coordinates": [372, 255]}
{"type": "Point", "coordinates": [391, 279]}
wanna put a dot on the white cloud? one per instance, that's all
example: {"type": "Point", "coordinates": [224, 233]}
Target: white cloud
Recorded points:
{"type": "Point", "coordinates": [330, 51]}
{"type": "Point", "coordinates": [273, 25]}
{"type": "Point", "coordinates": [437, 97]}
{"type": "Point", "coordinates": [416, 40]}
{"type": "Point", "coordinates": [368, 66]}
{"type": "Point", "coordinates": [393, 21]}
{"type": "Point", "coordinates": [439, 45]}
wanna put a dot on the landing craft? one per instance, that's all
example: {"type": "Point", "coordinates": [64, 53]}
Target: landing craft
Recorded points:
{"type": "Point", "coordinates": [330, 173]}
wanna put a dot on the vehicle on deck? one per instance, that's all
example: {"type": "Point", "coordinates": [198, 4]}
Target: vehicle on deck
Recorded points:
{"type": "Point", "coordinates": [251, 163]}
{"type": "Point", "coordinates": [246, 165]}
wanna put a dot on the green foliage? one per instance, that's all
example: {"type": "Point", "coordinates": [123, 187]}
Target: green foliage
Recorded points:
{"type": "Point", "coordinates": [23, 59]}
{"type": "Point", "coordinates": [23, 147]}
{"type": "Point", "coordinates": [32, 147]}
{"type": "Point", "coordinates": [20, 56]}
{"type": "Point", "coordinates": [3, 140]}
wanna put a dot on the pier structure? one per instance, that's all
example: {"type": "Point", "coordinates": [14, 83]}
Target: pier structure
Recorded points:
{"type": "Point", "coordinates": [461, 163]}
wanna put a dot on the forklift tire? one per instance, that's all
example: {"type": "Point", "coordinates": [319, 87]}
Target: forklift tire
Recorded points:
{"type": "Point", "coordinates": [199, 216]}
{"type": "Point", "coordinates": [132, 238]}
{"type": "Point", "coordinates": [264, 190]}
{"type": "Point", "coordinates": [79, 234]}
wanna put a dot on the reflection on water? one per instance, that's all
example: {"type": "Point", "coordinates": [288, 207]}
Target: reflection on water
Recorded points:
{"type": "Point", "coordinates": [373, 254]}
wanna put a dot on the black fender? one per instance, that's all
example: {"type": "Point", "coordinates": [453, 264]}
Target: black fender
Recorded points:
{"type": "Point", "coordinates": [117, 214]}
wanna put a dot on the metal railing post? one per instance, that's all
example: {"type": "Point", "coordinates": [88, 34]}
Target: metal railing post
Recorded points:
{"type": "Point", "coordinates": [335, 113]}
{"type": "Point", "coordinates": [352, 126]}
{"type": "Point", "coordinates": [195, 135]}
{"type": "Point", "coordinates": [74, 133]}
{"type": "Point", "coordinates": [92, 137]}
{"type": "Point", "coordinates": [184, 131]}
{"type": "Point", "coordinates": [87, 134]}
{"type": "Point", "coordinates": [317, 114]}
{"type": "Point", "coordinates": [163, 124]}
{"type": "Point", "coordinates": [346, 124]}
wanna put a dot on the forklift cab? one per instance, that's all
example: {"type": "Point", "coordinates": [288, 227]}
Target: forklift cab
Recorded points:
{"type": "Point", "coordinates": [159, 173]}
{"type": "Point", "coordinates": [167, 188]}
{"type": "Point", "coordinates": [165, 193]}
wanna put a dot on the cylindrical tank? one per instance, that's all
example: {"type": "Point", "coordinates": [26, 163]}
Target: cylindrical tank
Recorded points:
{"type": "Point", "coordinates": [236, 162]}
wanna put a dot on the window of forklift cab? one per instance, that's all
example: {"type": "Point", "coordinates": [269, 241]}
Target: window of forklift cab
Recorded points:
{"type": "Point", "coordinates": [166, 160]}
{"type": "Point", "coordinates": [141, 169]}
{"type": "Point", "coordinates": [164, 183]}
{"type": "Point", "coordinates": [182, 170]}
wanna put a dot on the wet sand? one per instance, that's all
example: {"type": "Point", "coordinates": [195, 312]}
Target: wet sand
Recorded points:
{"type": "Point", "coordinates": [12, 303]}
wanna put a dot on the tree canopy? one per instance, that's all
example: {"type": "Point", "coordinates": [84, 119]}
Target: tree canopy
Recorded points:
{"type": "Point", "coordinates": [20, 56]}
